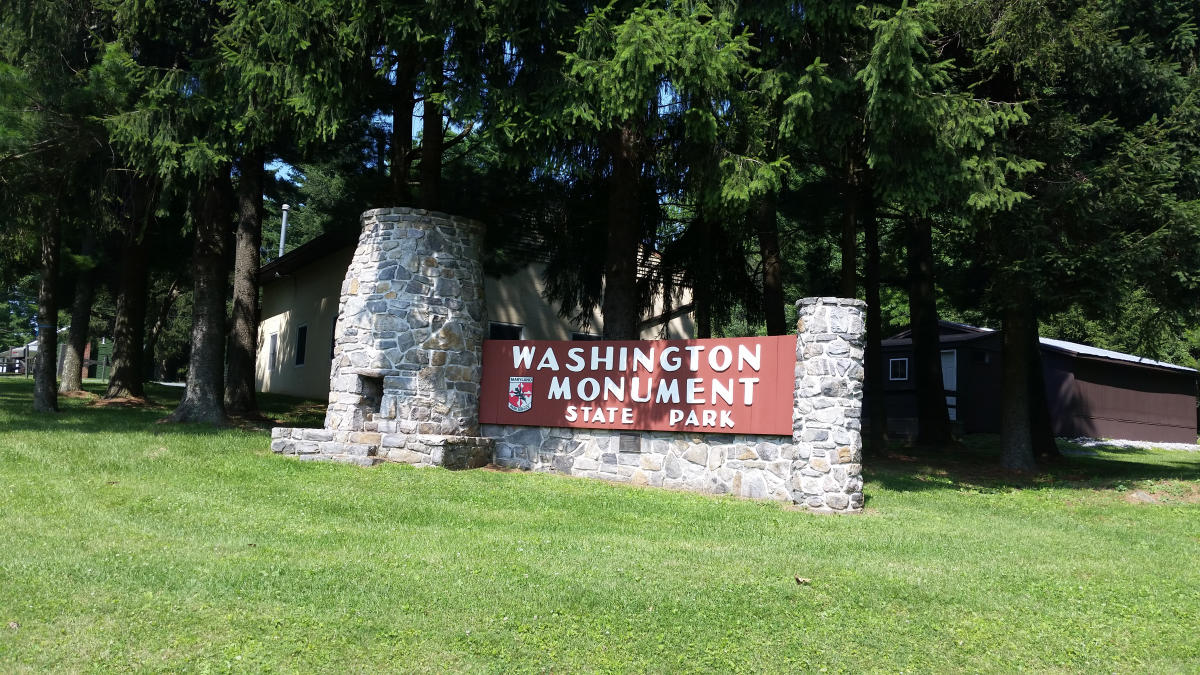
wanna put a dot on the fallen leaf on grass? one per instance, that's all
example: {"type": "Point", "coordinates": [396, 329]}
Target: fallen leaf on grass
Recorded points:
{"type": "Point", "coordinates": [801, 581]}
{"type": "Point", "coordinates": [13, 625]}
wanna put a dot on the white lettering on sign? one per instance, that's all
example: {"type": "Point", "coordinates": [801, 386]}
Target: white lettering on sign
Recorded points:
{"type": "Point", "coordinates": [560, 388]}
{"type": "Point", "coordinates": [522, 356]}
{"type": "Point", "coordinates": [549, 361]}
{"type": "Point", "coordinates": [720, 358]}
{"type": "Point", "coordinates": [576, 356]}
{"type": "Point", "coordinates": [670, 363]}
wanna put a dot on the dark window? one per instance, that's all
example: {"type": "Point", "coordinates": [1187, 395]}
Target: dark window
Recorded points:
{"type": "Point", "coordinates": [272, 350]}
{"type": "Point", "coordinates": [898, 369]}
{"type": "Point", "coordinates": [301, 344]}
{"type": "Point", "coordinates": [584, 336]}
{"type": "Point", "coordinates": [504, 331]}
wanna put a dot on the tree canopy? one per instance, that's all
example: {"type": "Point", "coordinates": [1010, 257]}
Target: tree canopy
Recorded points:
{"type": "Point", "coordinates": [1029, 165]}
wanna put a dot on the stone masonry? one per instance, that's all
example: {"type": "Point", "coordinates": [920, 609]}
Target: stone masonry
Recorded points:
{"type": "Point", "coordinates": [827, 410]}
{"type": "Point", "coordinates": [819, 466]}
{"type": "Point", "coordinates": [404, 384]}
{"type": "Point", "coordinates": [747, 466]}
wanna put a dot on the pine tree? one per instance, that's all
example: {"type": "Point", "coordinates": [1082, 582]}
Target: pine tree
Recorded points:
{"type": "Point", "coordinates": [931, 147]}
{"type": "Point", "coordinates": [1111, 93]}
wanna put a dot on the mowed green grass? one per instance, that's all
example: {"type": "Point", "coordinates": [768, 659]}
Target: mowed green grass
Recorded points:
{"type": "Point", "coordinates": [131, 545]}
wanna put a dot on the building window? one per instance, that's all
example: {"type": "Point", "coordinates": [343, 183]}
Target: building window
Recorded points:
{"type": "Point", "coordinates": [584, 336]}
{"type": "Point", "coordinates": [301, 344]}
{"type": "Point", "coordinates": [272, 350]}
{"type": "Point", "coordinates": [898, 369]}
{"type": "Point", "coordinates": [504, 331]}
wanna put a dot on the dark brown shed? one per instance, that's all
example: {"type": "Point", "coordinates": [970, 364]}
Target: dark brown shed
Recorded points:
{"type": "Point", "coordinates": [1091, 392]}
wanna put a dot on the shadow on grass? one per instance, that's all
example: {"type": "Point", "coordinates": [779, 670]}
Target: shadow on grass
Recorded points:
{"type": "Point", "coordinates": [976, 466]}
{"type": "Point", "coordinates": [89, 415]}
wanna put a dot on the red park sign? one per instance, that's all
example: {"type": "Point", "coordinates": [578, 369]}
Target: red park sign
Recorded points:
{"type": "Point", "coordinates": [730, 386]}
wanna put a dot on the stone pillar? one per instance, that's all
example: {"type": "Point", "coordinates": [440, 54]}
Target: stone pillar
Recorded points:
{"type": "Point", "coordinates": [409, 336]}
{"type": "Point", "coordinates": [826, 422]}
{"type": "Point", "coordinates": [408, 347]}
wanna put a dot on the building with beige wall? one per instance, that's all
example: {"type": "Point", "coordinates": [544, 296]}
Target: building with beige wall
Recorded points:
{"type": "Point", "coordinates": [301, 290]}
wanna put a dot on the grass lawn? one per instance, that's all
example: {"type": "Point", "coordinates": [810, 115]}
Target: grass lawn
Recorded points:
{"type": "Point", "coordinates": [131, 545]}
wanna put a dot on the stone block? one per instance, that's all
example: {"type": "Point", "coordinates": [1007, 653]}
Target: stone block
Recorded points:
{"type": "Point", "coordinates": [651, 462]}
{"type": "Point", "coordinates": [467, 453]}
{"type": "Point", "coordinates": [753, 485]}
{"type": "Point", "coordinates": [837, 502]}
{"type": "Point", "coordinates": [584, 464]}
{"type": "Point", "coordinates": [696, 454]}
{"type": "Point", "coordinates": [673, 467]}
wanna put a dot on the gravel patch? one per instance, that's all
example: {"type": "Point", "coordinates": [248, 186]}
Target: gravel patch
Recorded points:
{"type": "Point", "coordinates": [1109, 442]}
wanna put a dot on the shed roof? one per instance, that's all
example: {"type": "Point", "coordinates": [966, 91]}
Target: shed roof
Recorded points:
{"type": "Point", "coordinates": [959, 332]}
{"type": "Point", "coordinates": [1087, 350]}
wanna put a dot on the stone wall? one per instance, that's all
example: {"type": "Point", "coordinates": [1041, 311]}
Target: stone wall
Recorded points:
{"type": "Point", "coordinates": [366, 448]}
{"type": "Point", "coordinates": [404, 386]}
{"type": "Point", "coordinates": [819, 466]}
{"type": "Point", "coordinates": [747, 466]}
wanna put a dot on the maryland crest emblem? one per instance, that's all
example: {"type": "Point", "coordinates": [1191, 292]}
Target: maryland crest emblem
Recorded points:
{"type": "Point", "coordinates": [520, 394]}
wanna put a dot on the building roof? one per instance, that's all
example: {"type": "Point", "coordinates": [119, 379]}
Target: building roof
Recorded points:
{"type": "Point", "coordinates": [306, 254]}
{"type": "Point", "coordinates": [959, 332]}
{"type": "Point", "coordinates": [1077, 349]}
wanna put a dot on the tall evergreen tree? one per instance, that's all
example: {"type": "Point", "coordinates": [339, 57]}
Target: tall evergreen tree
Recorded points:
{"type": "Point", "coordinates": [930, 144]}
{"type": "Point", "coordinates": [47, 144]}
{"type": "Point", "coordinates": [628, 58]}
{"type": "Point", "coordinates": [1111, 92]}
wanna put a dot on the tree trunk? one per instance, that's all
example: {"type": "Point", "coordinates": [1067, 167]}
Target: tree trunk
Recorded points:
{"type": "Point", "coordinates": [873, 390]}
{"type": "Point", "coordinates": [703, 315]}
{"type": "Point", "coordinates": [766, 217]}
{"type": "Point", "coordinates": [81, 319]}
{"type": "Point", "coordinates": [1016, 423]}
{"type": "Point", "coordinates": [621, 308]}
{"type": "Point", "coordinates": [431, 134]}
{"type": "Point", "coordinates": [202, 397]}
{"type": "Point", "coordinates": [933, 422]}
{"type": "Point", "coordinates": [402, 128]}
{"type": "Point", "coordinates": [243, 335]}
{"type": "Point", "coordinates": [702, 283]}
{"type": "Point", "coordinates": [128, 378]}
{"type": "Point", "coordinates": [848, 285]}
{"type": "Point", "coordinates": [1041, 428]}
{"type": "Point", "coordinates": [45, 389]}
{"type": "Point", "coordinates": [164, 313]}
